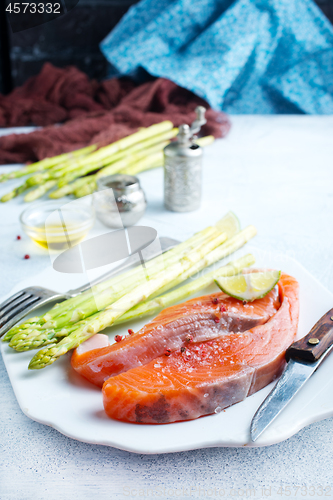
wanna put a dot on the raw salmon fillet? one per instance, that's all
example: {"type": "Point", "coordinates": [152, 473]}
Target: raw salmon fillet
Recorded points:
{"type": "Point", "coordinates": [208, 376]}
{"type": "Point", "coordinates": [204, 318]}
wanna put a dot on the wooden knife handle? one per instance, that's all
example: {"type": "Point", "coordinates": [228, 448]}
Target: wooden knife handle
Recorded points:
{"type": "Point", "coordinates": [315, 343]}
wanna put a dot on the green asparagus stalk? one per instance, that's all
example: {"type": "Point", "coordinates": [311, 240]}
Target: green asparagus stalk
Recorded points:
{"type": "Point", "coordinates": [152, 306]}
{"type": "Point", "coordinates": [4, 177]}
{"type": "Point", "coordinates": [27, 325]}
{"type": "Point", "coordinates": [98, 300]}
{"type": "Point", "coordinates": [39, 178]}
{"type": "Point", "coordinates": [69, 306]}
{"type": "Point", "coordinates": [98, 157]}
{"type": "Point", "coordinates": [88, 188]}
{"type": "Point", "coordinates": [143, 145]}
{"type": "Point", "coordinates": [69, 171]}
{"type": "Point", "coordinates": [158, 263]}
{"type": "Point", "coordinates": [86, 157]}
{"type": "Point", "coordinates": [106, 318]}
{"type": "Point", "coordinates": [15, 192]}
{"type": "Point", "coordinates": [158, 160]}
{"type": "Point", "coordinates": [89, 185]}
{"type": "Point", "coordinates": [83, 186]}
{"type": "Point", "coordinates": [40, 191]}
{"type": "Point", "coordinates": [142, 167]}
{"type": "Point", "coordinates": [64, 164]}
{"type": "Point", "coordinates": [152, 161]}
{"type": "Point", "coordinates": [34, 339]}
{"type": "Point", "coordinates": [101, 300]}
{"type": "Point", "coordinates": [79, 187]}
{"type": "Point", "coordinates": [133, 275]}
{"type": "Point", "coordinates": [219, 253]}
{"type": "Point", "coordinates": [114, 167]}
{"type": "Point", "coordinates": [70, 188]}
{"type": "Point", "coordinates": [50, 162]}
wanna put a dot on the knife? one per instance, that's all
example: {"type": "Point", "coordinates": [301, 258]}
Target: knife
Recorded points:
{"type": "Point", "coordinates": [303, 358]}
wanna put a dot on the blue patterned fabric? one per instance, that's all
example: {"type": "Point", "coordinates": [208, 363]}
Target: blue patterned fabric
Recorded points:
{"type": "Point", "coordinates": [242, 56]}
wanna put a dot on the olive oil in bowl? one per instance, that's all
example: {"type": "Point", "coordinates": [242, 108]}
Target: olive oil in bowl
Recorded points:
{"type": "Point", "coordinates": [55, 226]}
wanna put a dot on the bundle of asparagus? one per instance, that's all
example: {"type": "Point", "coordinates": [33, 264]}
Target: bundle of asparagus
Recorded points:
{"type": "Point", "coordinates": [132, 294]}
{"type": "Point", "coordinates": [75, 173]}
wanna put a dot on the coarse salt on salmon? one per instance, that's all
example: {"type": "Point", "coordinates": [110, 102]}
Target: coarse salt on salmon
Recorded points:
{"type": "Point", "coordinates": [203, 318]}
{"type": "Point", "coordinates": [207, 376]}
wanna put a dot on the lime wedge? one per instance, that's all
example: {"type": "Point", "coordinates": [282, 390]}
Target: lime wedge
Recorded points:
{"type": "Point", "coordinates": [229, 224]}
{"type": "Point", "coordinates": [249, 286]}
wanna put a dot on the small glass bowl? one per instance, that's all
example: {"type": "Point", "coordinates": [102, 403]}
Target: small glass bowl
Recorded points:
{"type": "Point", "coordinates": [57, 226]}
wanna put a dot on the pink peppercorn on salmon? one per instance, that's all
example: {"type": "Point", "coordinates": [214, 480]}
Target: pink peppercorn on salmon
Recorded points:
{"type": "Point", "coordinates": [197, 320]}
{"type": "Point", "coordinates": [205, 377]}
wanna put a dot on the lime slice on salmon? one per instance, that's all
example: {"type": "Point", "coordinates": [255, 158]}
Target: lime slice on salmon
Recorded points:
{"type": "Point", "coordinates": [249, 286]}
{"type": "Point", "coordinates": [229, 224]}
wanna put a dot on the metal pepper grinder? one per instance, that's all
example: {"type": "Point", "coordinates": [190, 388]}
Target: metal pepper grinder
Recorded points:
{"type": "Point", "coordinates": [183, 166]}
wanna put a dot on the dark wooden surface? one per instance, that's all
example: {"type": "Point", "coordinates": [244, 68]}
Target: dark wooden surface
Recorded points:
{"type": "Point", "coordinates": [71, 39]}
{"type": "Point", "coordinates": [323, 331]}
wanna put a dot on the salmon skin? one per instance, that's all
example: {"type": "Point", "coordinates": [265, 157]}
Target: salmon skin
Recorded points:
{"type": "Point", "coordinates": [207, 376]}
{"type": "Point", "coordinates": [201, 319]}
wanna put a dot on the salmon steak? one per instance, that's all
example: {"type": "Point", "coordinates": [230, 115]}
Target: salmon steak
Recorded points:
{"type": "Point", "coordinates": [201, 319]}
{"type": "Point", "coordinates": [196, 358]}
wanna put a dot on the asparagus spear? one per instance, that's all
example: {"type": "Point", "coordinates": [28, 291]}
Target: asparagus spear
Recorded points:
{"type": "Point", "coordinates": [107, 317]}
{"type": "Point", "coordinates": [27, 325]}
{"type": "Point", "coordinates": [151, 306]}
{"type": "Point", "coordinates": [89, 185]}
{"type": "Point", "coordinates": [70, 188]}
{"type": "Point", "coordinates": [101, 300]}
{"type": "Point", "coordinates": [149, 162]}
{"type": "Point", "coordinates": [40, 191]}
{"type": "Point", "coordinates": [71, 304]}
{"type": "Point", "coordinates": [143, 145]}
{"type": "Point", "coordinates": [64, 164]}
{"type": "Point", "coordinates": [98, 158]}
{"type": "Point", "coordinates": [152, 161]}
{"type": "Point", "coordinates": [87, 188]}
{"type": "Point", "coordinates": [35, 339]}
{"type": "Point", "coordinates": [126, 279]}
{"type": "Point", "coordinates": [66, 172]}
{"type": "Point", "coordinates": [32, 339]}
{"type": "Point", "coordinates": [85, 157]}
{"type": "Point", "coordinates": [205, 141]}
{"type": "Point", "coordinates": [219, 253]}
{"type": "Point", "coordinates": [133, 275]}
{"type": "Point", "coordinates": [40, 323]}
{"type": "Point", "coordinates": [158, 159]}
{"type": "Point", "coordinates": [114, 167]}
{"type": "Point", "coordinates": [39, 178]}
{"type": "Point", "coordinates": [49, 162]}
{"type": "Point", "coordinates": [15, 192]}
{"type": "Point", "coordinates": [142, 167]}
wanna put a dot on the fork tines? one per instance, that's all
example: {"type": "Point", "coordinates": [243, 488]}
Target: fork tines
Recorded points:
{"type": "Point", "coordinates": [15, 305]}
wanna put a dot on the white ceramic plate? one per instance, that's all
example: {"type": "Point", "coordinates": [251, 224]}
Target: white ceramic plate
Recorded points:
{"type": "Point", "coordinates": [58, 397]}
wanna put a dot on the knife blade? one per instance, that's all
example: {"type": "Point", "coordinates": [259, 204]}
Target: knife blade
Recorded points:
{"type": "Point", "coordinates": [303, 358]}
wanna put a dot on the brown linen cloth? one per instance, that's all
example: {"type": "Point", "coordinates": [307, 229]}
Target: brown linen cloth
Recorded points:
{"type": "Point", "coordinates": [93, 112]}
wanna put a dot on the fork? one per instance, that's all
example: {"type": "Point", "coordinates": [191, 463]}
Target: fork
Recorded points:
{"type": "Point", "coordinates": [22, 303]}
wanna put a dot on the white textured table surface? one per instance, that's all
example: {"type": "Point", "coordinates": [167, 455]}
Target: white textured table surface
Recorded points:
{"type": "Point", "coordinates": [275, 172]}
